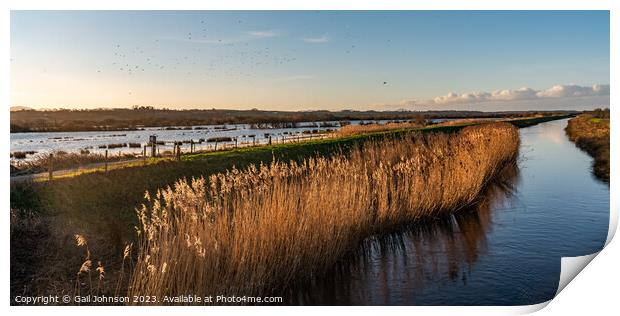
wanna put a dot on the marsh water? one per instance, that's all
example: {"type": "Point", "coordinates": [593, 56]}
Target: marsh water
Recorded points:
{"type": "Point", "coordinates": [504, 251]}
{"type": "Point", "coordinates": [96, 141]}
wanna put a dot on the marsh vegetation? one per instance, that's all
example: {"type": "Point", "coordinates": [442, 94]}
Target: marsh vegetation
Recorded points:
{"type": "Point", "coordinates": [347, 188]}
{"type": "Point", "coordinates": [252, 230]}
{"type": "Point", "coordinates": [590, 132]}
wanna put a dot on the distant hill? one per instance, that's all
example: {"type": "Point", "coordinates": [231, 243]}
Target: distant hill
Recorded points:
{"type": "Point", "coordinates": [130, 119]}
{"type": "Point", "coordinates": [20, 108]}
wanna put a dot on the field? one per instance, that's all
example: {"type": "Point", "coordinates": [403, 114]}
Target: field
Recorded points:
{"type": "Point", "coordinates": [101, 206]}
{"type": "Point", "coordinates": [590, 132]}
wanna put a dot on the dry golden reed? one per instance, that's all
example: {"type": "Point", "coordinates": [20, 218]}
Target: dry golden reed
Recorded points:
{"type": "Point", "coordinates": [245, 232]}
{"type": "Point", "coordinates": [373, 128]}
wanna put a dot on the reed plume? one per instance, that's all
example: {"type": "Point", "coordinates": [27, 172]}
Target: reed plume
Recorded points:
{"type": "Point", "coordinates": [246, 232]}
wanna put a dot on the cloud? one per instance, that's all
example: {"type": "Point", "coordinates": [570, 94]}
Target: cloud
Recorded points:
{"type": "Point", "coordinates": [567, 91]}
{"type": "Point", "coordinates": [293, 78]}
{"type": "Point", "coordinates": [262, 34]}
{"type": "Point", "coordinates": [241, 37]}
{"type": "Point", "coordinates": [524, 93]}
{"type": "Point", "coordinates": [567, 97]}
{"type": "Point", "coordinates": [316, 40]}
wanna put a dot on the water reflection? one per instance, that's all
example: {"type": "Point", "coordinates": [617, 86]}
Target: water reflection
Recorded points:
{"type": "Point", "coordinates": [393, 268]}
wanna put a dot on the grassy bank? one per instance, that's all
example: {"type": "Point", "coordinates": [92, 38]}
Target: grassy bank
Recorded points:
{"type": "Point", "coordinates": [590, 132]}
{"type": "Point", "coordinates": [102, 205]}
{"type": "Point", "coordinates": [245, 232]}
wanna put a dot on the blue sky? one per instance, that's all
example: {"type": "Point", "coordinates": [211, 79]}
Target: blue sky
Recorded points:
{"type": "Point", "coordinates": [296, 60]}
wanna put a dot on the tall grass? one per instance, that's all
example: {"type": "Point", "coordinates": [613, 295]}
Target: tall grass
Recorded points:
{"type": "Point", "coordinates": [590, 132]}
{"type": "Point", "coordinates": [348, 130]}
{"type": "Point", "coordinates": [249, 231]}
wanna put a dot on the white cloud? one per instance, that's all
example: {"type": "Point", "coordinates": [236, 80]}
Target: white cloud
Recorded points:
{"type": "Point", "coordinates": [262, 34]}
{"type": "Point", "coordinates": [293, 78]}
{"type": "Point", "coordinates": [239, 38]}
{"type": "Point", "coordinates": [316, 40]}
{"type": "Point", "coordinates": [563, 97]}
{"type": "Point", "coordinates": [567, 91]}
{"type": "Point", "coordinates": [524, 93]}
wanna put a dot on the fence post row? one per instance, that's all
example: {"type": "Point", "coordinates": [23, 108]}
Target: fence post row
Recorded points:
{"type": "Point", "coordinates": [177, 148]}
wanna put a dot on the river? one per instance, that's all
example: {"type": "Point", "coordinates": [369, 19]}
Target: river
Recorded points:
{"type": "Point", "coordinates": [504, 251]}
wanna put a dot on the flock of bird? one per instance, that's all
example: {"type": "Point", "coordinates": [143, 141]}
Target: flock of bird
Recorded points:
{"type": "Point", "coordinates": [241, 62]}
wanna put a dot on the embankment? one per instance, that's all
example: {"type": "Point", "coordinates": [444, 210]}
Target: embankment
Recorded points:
{"type": "Point", "coordinates": [246, 232]}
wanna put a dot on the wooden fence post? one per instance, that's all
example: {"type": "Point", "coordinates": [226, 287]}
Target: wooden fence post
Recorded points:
{"type": "Point", "coordinates": [106, 160]}
{"type": "Point", "coordinates": [50, 168]}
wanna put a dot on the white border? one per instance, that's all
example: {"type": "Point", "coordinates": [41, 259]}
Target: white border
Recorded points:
{"type": "Point", "coordinates": [593, 290]}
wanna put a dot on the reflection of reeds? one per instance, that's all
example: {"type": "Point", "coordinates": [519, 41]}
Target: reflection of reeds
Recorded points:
{"type": "Point", "coordinates": [399, 264]}
{"type": "Point", "coordinates": [245, 231]}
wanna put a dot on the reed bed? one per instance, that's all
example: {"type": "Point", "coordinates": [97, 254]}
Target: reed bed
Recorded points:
{"type": "Point", "coordinates": [590, 132]}
{"type": "Point", "coordinates": [248, 232]}
{"type": "Point", "coordinates": [348, 129]}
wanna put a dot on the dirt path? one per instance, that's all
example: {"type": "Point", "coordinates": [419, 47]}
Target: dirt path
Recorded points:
{"type": "Point", "coordinates": [44, 176]}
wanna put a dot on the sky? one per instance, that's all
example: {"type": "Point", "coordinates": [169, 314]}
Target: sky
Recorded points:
{"type": "Point", "coordinates": [311, 60]}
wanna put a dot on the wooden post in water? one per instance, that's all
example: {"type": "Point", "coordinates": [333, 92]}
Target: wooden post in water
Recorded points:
{"type": "Point", "coordinates": [191, 146]}
{"type": "Point", "coordinates": [50, 168]}
{"type": "Point", "coordinates": [270, 140]}
{"type": "Point", "coordinates": [106, 161]}
{"type": "Point", "coordinates": [179, 152]}
{"type": "Point", "coordinates": [153, 142]}
{"type": "Point", "coordinates": [144, 155]}
{"type": "Point", "coordinates": [236, 138]}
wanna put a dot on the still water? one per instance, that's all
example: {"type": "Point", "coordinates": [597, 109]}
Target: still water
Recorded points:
{"type": "Point", "coordinates": [505, 251]}
{"type": "Point", "coordinates": [96, 141]}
